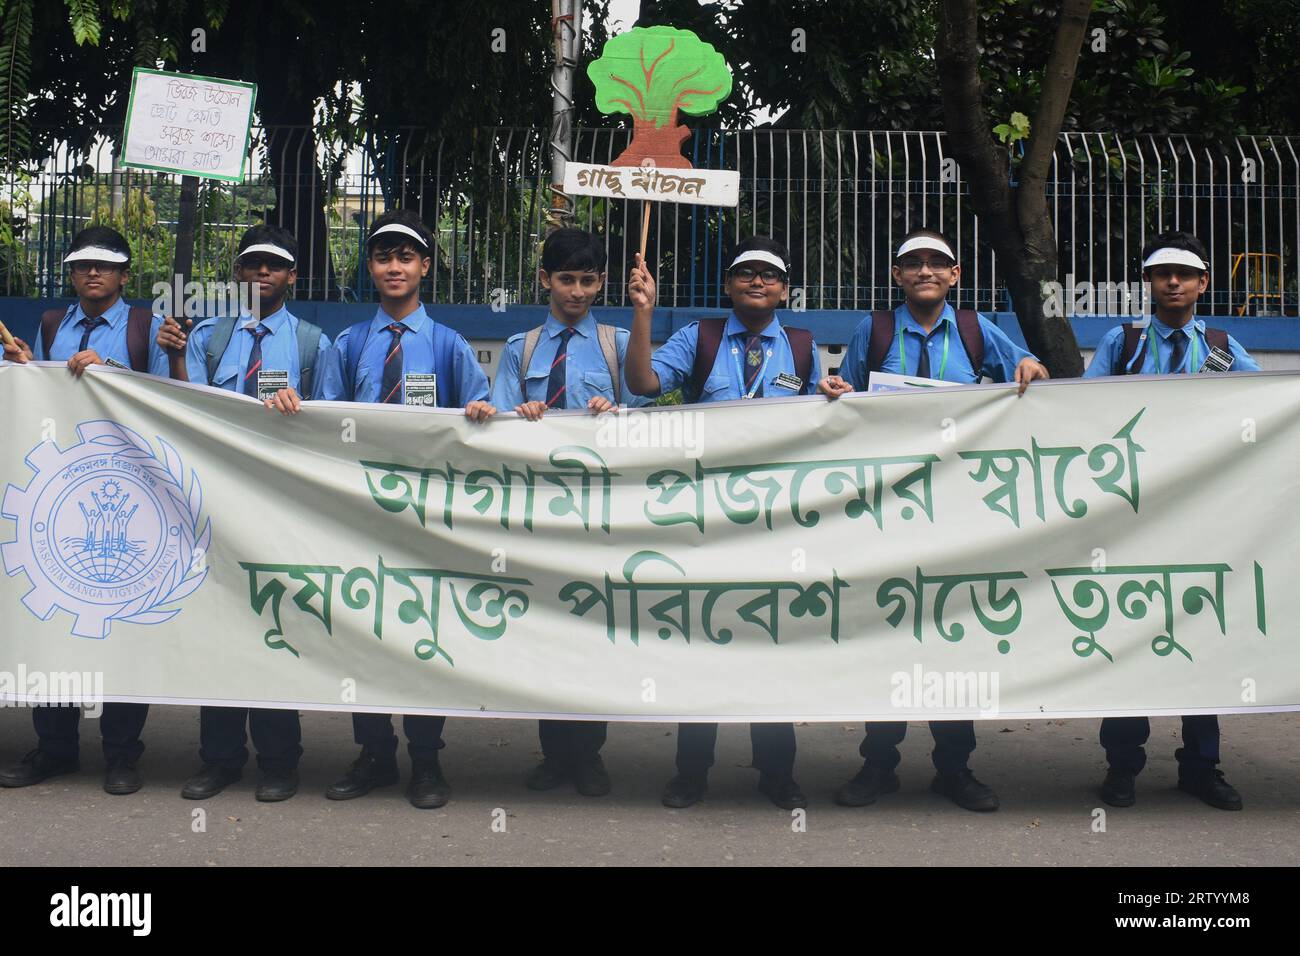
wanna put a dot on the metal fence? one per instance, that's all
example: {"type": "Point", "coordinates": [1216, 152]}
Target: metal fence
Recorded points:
{"type": "Point", "coordinates": [841, 200]}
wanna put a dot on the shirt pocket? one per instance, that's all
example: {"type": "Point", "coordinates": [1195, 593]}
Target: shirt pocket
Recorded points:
{"type": "Point", "coordinates": [535, 385]}
{"type": "Point", "coordinates": [717, 387]}
{"type": "Point", "coordinates": [226, 374]}
{"type": "Point", "coordinates": [598, 383]}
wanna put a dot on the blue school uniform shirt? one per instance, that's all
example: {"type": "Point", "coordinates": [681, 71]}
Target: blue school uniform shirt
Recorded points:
{"type": "Point", "coordinates": [1001, 355]}
{"type": "Point", "coordinates": [279, 352]}
{"type": "Point", "coordinates": [674, 362]}
{"type": "Point", "coordinates": [109, 341]}
{"type": "Point", "coordinates": [586, 373]}
{"type": "Point", "coordinates": [417, 357]}
{"type": "Point", "coordinates": [1159, 349]}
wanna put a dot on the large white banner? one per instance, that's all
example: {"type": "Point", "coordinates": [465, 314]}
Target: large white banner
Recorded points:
{"type": "Point", "coordinates": [1111, 547]}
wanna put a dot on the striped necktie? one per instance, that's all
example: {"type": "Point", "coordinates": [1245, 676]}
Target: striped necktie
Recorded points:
{"type": "Point", "coordinates": [557, 384]}
{"type": "Point", "coordinates": [390, 390]}
{"type": "Point", "coordinates": [753, 365]}
{"type": "Point", "coordinates": [90, 325]}
{"type": "Point", "coordinates": [255, 360]}
{"type": "Point", "coordinates": [1178, 339]}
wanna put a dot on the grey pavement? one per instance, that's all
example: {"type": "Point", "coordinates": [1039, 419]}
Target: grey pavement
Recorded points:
{"type": "Point", "coordinates": [1045, 771]}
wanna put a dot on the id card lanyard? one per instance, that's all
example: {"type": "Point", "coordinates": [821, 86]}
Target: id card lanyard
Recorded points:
{"type": "Point", "coordinates": [902, 353]}
{"type": "Point", "coordinates": [740, 372]}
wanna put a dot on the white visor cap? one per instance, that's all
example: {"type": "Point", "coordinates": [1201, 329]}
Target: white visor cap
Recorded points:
{"type": "Point", "coordinates": [404, 230]}
{"type": "Point", "coordinates": [270, 249]}
{"type": "Point", "coordinates": [1169, 256]}
{"type": "Point", "coordinates": [925, 242]}
{"type": "Point", "coordinates": [758, 255]}
{"type": "Point", "coordinates": [96, 254]}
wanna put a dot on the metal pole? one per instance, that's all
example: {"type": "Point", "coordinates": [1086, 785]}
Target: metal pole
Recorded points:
{"type": "Point", "coordinates": [566, 31]}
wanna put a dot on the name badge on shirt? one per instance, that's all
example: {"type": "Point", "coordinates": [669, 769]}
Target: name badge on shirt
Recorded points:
{"type": "Point", "coordinates": [270, 381]}
{"type": "Point", "coordinates": [1217, 361]}
{"type": "Point", "coordinates": [114, 363]}
{"type": "Point", "coordinates": [786, 380]}
{"type": "Point", "coordinates": [421, 389]}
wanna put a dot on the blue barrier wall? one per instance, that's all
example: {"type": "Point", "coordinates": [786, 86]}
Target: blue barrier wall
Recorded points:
{"type": "Point", "coordinates": [829, 326]}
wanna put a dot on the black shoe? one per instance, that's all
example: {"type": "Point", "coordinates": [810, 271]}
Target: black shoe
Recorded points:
{"type": "Point", "coordinates": [590, 778]}
{"type": "Point", "coordinates": [121, 778]}
{"type": "Point", "coordinates": [1212, 788]}
{"type": "Point", "coordinates": [684, 790]}
{"type": "Point", "coordinates": [35, 767]}
{"type": "Point", "coordinates": [276, 785]}
{"type": "Point", "coordinates": [364, 775]}
{"type": "Point", "coordinates": [209, 781]}
{"type": "Point", "coordinates": [428, 788]}
{"type": "Point", "coordinates": [782, 790]}
{"type": "Point", "coordinates": [964, 790]}
{"type": "Point", "coordinates": [867, 787]}
{"type": "Point", "coordinates": [1119, 789]}
{"type": "Point", "coordinates": [547, 775]}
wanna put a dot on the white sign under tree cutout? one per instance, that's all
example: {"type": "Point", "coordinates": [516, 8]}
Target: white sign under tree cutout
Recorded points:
{"type": "Point", "coordinates": [187, 124]}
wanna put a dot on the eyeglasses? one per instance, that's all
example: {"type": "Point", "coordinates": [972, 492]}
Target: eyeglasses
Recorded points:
{"type": "Point", "coordinates": [769, 276]}
{"type": "Point", "coordinates": [83, 266]}
{"type": "Point", "coordinates": [942, 264]}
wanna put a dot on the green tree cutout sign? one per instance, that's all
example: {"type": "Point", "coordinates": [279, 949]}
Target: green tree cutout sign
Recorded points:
{"type": "Point", "coordinates": [653, 73]}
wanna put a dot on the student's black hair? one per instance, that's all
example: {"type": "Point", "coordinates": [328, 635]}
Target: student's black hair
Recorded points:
{"type": "Point", "coordinates": [932, 233]}
{"type": "Point", "coordinates": [573, 250]}
{"type": "Point", "coordinates": [761, 244]}
{"type": "Point", "coordinates": [273, 235]}
{"type": "Point", "coordinates": [1176, 239]}
{"type": "Point", "coordinates": [104, 237]}
{"type": "Point", "coordinates": [396, 241]}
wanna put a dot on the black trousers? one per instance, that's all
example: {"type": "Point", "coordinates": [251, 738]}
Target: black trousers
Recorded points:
{"type": "Point", "coordinates": [572, 741]}
{"type": "Point", "coordinates": [277, 735]}
{"type": "Point", "coordinates": [773, 748]}
{"type": "Point", "coordinates": [120, 726]}
{"type": "Point", "coordinates": [1124, 738]}
{"type": "Point", "coordinates": [374, 732]}
{"type": "Point", "coordinates": [954, 742]}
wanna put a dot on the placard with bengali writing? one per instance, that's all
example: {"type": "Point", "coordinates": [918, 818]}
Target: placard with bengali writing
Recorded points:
{"type": "Point", "coordinates": [192, 125]}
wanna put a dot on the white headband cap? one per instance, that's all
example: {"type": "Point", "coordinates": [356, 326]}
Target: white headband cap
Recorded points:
{"type": "Point", "coordinates": [269, 248]}
{"type": "Point", "coordinates": [1169, 256]}
{"type": "Point", "coordinates": [96, 254]}
{"type": "Point", "coordinates": [759, 256]}
{"type": "Point", "coordinates": [925, 242]}
{"type": "Point", "coordinates": [398, 227]}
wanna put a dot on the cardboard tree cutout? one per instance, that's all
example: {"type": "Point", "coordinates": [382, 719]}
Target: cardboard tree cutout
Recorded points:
{"type": "Point", "coordinates": [652, 74]}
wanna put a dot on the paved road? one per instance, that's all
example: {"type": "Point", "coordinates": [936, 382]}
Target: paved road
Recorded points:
{"type": "Point", "coordinates": [1046, 773]}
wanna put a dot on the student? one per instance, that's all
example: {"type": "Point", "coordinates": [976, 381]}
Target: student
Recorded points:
{"type": "Point", "coordinates": [100, 329]}
{"type": "Point", "coordinates": [568, 362]}
{"type": "Point", "coordinates": [1176, 343]}
{"type": "Point", "coordinates": [252, 356]}
{"type": "Point", "coordinates": [748, 355]}
{"type": "Point", "coordinates": [401, 356]}
{"type": "Point", "coordinates": [925, 337]}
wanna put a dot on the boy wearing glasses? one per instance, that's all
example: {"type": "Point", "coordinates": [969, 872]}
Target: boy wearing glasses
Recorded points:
{"type": "Point", "coordinates": [927, 338]}
{"type": "Point", "coordinates": [99, 329]}
{"type": "Point", "coordinates": [1177, 343]}
{"type": "Point", "coordinates": [750, 354]}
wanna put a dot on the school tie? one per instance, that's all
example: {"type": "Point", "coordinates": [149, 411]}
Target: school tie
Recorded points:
{"type": "Point", "coordinates": [255, 360]}
{"type": "Point", "coordinates": [923, 363]}
{"type": "Point", "coordinates": [557, 384]}
{"type": "Point", "coordinates": [390, 390]}
{"type": "Point", "coordinates": [753, 365]}
{"type": "Point", "coordinates": [1178, 339]}
{"type": "Point", "coordinates": [90, 325]}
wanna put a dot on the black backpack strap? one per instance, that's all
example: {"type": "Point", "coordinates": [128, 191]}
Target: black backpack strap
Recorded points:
{"type": "Point", "coordinates": [972, 337]}
{"type": "Point", "coordinates": [801, 346]}
{"type": "Point", "coordinates": [139, 322]}
{"type": "Point", "coordinates": [50, 320]}
{"type": "Point", "coordinates": [707, 343]}
{"type": "Point", "coordinates": [1134, 338]}
{"type": "Point", "coordinates": [308, 348]}
{"type": "Point", "coordinates": [1217, 339]}
{"type": "Point", "coordinates": [882, 337]}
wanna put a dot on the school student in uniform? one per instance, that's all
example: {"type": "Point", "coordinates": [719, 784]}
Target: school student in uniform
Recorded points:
{"type": "Point", "coordinates": [1175, 343]}
{"type": "Point", "coordinates": [927, 338]}
{"type": "Point", "coordinates": [401, 357]}
{"type": "Point", "coordinates": [100, 329]}
{"type": "Point", "coordinates": [748, 355]}
{"type": "Point", "coordinates": [567, 362]}
{"type": "Point", "coordinates": [274, 358]}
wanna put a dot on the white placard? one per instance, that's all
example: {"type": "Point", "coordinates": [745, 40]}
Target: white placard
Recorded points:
{"type": "Point", "coordinates": [192, 125]}
{"type": "Point", "coordinates": [702, 187]}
